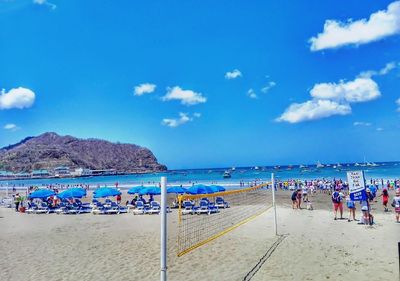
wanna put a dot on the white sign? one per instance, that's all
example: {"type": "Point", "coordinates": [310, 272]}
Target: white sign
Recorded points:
{"type": "Point", "coordinates": [356, 185]}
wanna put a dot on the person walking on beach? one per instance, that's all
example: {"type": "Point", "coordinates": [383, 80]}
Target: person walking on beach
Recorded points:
{"type": "Point", "coordinates": [396, 204]}
{"type": "Point", "coordinates": [351, 205]}
{"type": "Point", "coordinates": [385, 198]}
{"type": "Point", "coordinates": [337, 200]}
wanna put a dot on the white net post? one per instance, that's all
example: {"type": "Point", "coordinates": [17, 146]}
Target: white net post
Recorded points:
{"type": "Point", "coordinates": [274, 203]}
{"type": "Point", "coordinates": [163, 256]}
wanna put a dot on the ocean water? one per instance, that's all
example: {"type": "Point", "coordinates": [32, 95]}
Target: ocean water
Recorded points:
{"type": "Point", "coordinates": [387, 170]}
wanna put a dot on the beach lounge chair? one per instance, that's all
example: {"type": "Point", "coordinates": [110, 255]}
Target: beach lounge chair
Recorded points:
{"type": "Point", "coordinates": [98, 208]}
{"type": "Point", "coordinates": [221, 203]}
{"type": "Point", "coordinates": [154, 208]}
{"type": "Point", "coordinates": [140, 208]}
{"type": "Point", "coordinates": [188, 207]}
{"type": "Point", "coordinates": [205, 207]}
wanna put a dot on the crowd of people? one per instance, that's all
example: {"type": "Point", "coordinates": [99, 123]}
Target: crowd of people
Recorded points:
{"type": "Point", "coordinates": [340, 195]}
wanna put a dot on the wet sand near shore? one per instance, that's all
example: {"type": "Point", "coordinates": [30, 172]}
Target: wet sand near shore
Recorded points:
{"type": "Point", "coordinates": [126, 247]}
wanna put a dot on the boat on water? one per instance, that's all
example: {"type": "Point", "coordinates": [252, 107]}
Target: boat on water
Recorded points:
{"type": "Point", "coordinates": [302, 166]}
{"type": "Point", "coordinates": [319, 165]}
{"type": "Point", "coordinates": [277, 167]}
{"type": "Point", "coordinates": [226, 175]}
{"type": "Point", "coordinates": [233, 169]}
{"type": "Point", "coordinates": [256, 168]}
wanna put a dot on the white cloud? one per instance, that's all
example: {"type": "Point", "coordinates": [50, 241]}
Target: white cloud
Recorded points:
{"type": "Point", "coordinates": [268, 87]}
{"type": "Point", "coordinates": [16, 98]}
{"type": "Point", "coordinates": [358, 90]}
{"type": "Point", "coordinates": [186, 97]}
{"type": "Point", "coordinates": [183, 118]}
{"type": "Point", "coordinates": [398, 104]}
{"type": "Point", "coordinates": [312, 110]}
{"type": "Point", "coordinates": [252, 94]}
{"type": "Point", "coordinates": [385, 70]}
{"type": "Point", "coordinates": [361, 123]}
{"type": "Point", "coordinates": [11, 127]}
{"type": "Point", "coordinates": [330, 99]}
{"type": "Point", "coordinates": [233, 74]}
{"type": "Point", "coordinates": [380, 24]}
{"type": "Point", "coordinates": [145, 88]}
{"type": "Point", "coordinates": [379, 129]}
{"type": "Point", "coordinates": [46, 3]}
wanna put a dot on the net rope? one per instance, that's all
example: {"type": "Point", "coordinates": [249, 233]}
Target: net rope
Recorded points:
{"type": "Point", "coordinates": [226, 210]}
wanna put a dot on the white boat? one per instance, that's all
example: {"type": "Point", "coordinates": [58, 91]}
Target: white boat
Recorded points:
{"type": "Point", "coordinates": [356, 164]}
{"type": "Point", "coordinates": [338, 165]}
{"type": "Point", "coordinates": [256, 168]}
{"type": "Point", "coordinates": [226, 175]}
{"type": "Point", "coordinates": [302, 166]}
{"type": "Point", "coordinates": [319, 165]}
{"type": "Point", "coordinates": [233, 169]}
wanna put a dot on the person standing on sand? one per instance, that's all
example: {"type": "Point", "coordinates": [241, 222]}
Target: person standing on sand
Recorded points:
{"type": "Point", "coordinates": [17, 201]}
{"type": "Point", "coordinates": [337, 200]}
{"type": "Point", "coordinates": [294, 199]}
{"type": "Point", "coordinates": [298, 197]}
{"type": "Point", "coordinates": [351, 205]}
{"type": "Point", "coordinates": [119, 199]}
{"type": "Point", "coordinates": [396, 205]}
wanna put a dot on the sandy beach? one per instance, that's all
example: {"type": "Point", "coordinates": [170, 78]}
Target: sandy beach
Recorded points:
{"type": "Point", "coordinates": [126, 247]}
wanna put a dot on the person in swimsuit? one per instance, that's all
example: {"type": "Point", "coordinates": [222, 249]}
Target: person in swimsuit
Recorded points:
{"type": "Point", "coordinates": [337, 198]}
{"type": "Point", "coordinates": [294, 199]}
{"type": "Point", "coordinates": [396, 204]}
{"type": "Point", "coordinates": [385, 198]}
{"type": "Point", "coordinates": [351, 205]}
{"type": "Point", "coordinates": [298, 198]}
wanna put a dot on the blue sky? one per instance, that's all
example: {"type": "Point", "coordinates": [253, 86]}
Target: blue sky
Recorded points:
{"type": "Point", "coordinates": [218, 83]}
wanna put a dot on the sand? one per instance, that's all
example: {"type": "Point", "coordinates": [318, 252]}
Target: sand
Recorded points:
{"type": "Point", "coordinates": [126, 247]}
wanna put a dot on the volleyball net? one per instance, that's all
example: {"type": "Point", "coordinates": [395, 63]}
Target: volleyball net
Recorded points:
{"type": "Point", "coordinates": [205, 217]}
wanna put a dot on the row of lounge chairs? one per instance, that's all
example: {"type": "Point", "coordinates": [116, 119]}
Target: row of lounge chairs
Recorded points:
{"type": "Point", "coordinates": [204, 207]}
{"type": "Point", "coordinates": [77, 207]}
{"type": "Point", "coordinates": [140, 208]}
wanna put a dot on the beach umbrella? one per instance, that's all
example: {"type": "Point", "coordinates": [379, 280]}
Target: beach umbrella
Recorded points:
{"type": "Point", "coordinates": [218, 188]}
{"type": "Point", "coordinates": [106, 192]}
{"type": "Point", "coordinates": [200, 189]}
{"type": "Point", "coordinates": [72, 193]}
{"type": "Point", "coordinates": [41, 193]}
{"type": "Point", "coordinates": [176, 189]}
{"type": "Point", "coordinates": [135, 189]}
{"type": "Point", "coordinates": [150, 191]}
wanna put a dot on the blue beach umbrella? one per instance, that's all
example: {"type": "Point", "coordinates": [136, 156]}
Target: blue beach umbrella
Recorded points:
{"type": "Point", "coordinates": [218, 188]}
{"type": "Point", "coordinates": [176, 189]}
{"type": "Point", "coordinates": [106, 192]}
{"type": "Point", "coordinates": [41, 193]}
{"type": "Point", "coordinates": [72, 193]}
{"type": "Point", "coordinates": [200, 189]}
{"type": "Point", "coordinates": [150, 191]}
{"type": "Point", "coordinates": [135, 189]}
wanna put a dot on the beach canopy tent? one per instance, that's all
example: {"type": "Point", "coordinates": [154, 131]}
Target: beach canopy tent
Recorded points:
{"type": "Point", "coordinates": [135, 189]}
{"type": "Point", "coordinates": [176, 189]}
{"type": "Point", "coordinates": [41, 194]}
{"type": "Point", "coordinates": [218, 188]}
{"type": "Point", "coordinates": [150, 191]}
{"type": "Point", "coordinates": [72, 193]}
{"type": "Point", "coordinates": [200, 189]}
{"type": "Point", "coordinates": [106, 192]}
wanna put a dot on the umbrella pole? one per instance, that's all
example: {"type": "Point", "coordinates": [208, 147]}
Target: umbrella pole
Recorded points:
{"type": "Point", "coordinates": [163, 257]}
